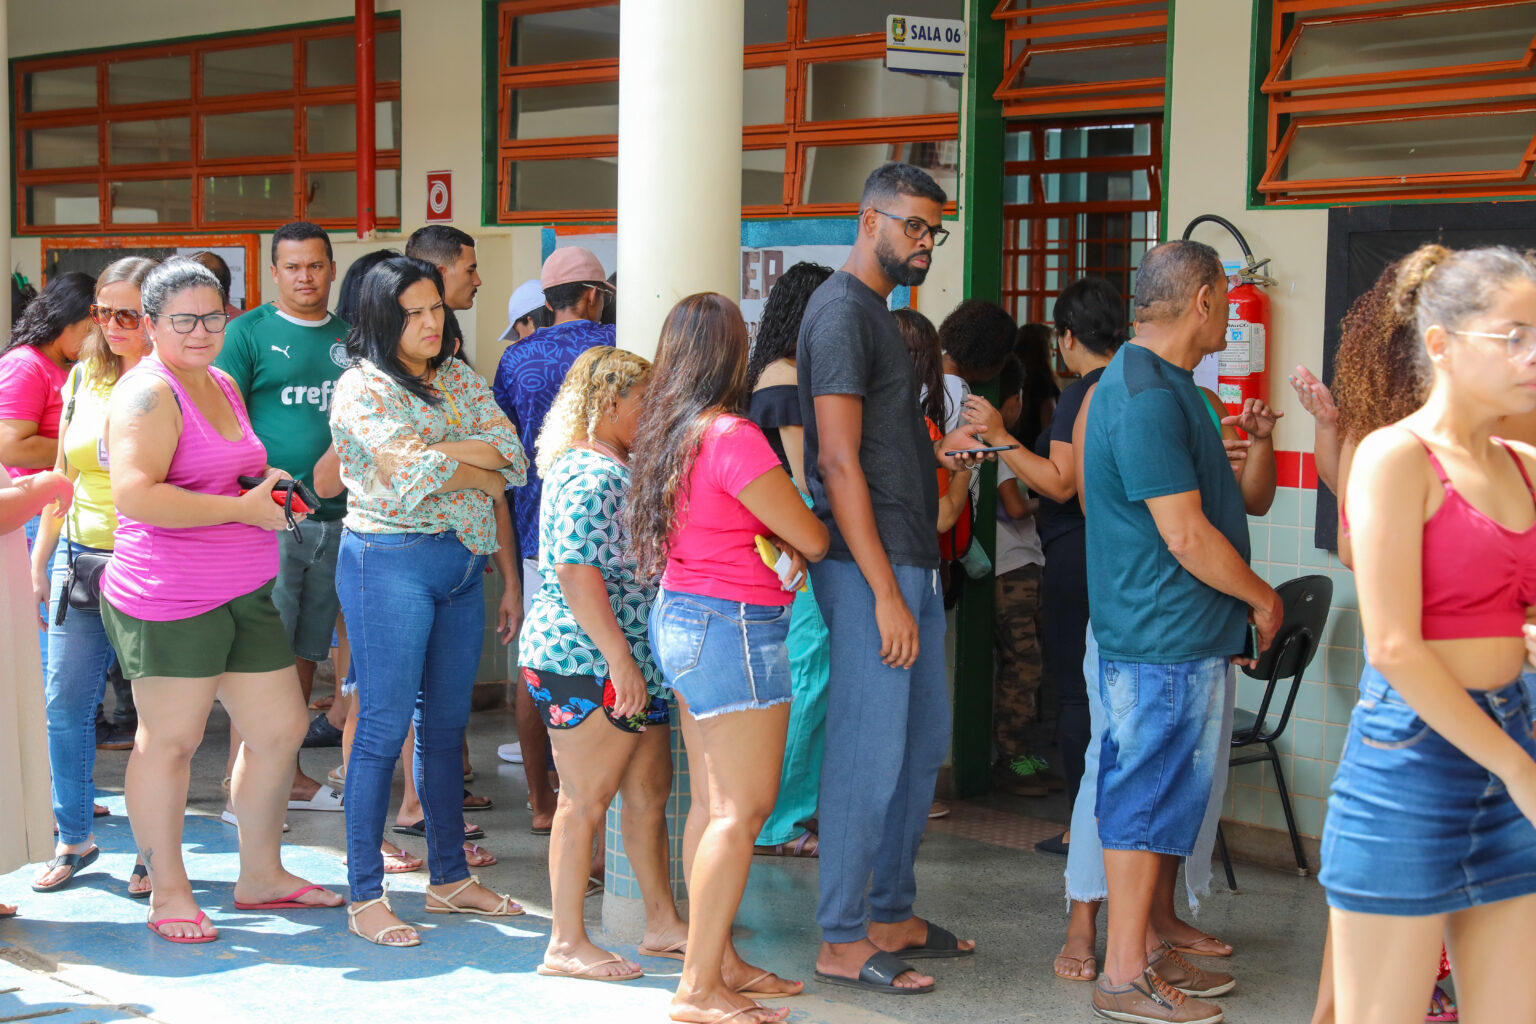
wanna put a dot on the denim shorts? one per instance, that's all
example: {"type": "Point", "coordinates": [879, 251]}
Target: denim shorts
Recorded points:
{"type": "Point", "coordinates": [721, 655]}
{"type": "Point", "coordinates": [1157, 760]}
{"type": "Point", "coordinates": [1415, 827]}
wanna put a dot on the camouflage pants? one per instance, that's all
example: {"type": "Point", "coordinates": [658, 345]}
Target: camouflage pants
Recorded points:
{"type": "Point", "coordinates": [1016, 639]}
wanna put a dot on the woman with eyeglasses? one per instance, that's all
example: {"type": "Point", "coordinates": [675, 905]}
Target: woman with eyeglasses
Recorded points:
{"type": "Point", "coordinates": [75, 671]}
{"type": "Point", "coordinates": [427, 458]}
{"type": "Point", "coordinates": [187, 602]}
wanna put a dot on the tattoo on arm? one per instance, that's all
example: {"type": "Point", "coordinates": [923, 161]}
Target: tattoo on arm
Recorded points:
{"type": "Point", "coordinates": [143, 401]}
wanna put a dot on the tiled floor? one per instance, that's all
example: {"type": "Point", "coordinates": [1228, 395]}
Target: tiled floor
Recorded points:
{"type": "Point", "coordinates": [84, 954]}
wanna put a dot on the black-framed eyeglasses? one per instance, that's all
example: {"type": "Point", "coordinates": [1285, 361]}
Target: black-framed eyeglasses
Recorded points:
{"type": "Point", "coordinates": [186, 323]}
{"type": "Point", "coordinates": [1521, 340]}
{"type": "Point", "coordinates": [915, 228]}
{"type": "Point", "coordinates": [127, 319]}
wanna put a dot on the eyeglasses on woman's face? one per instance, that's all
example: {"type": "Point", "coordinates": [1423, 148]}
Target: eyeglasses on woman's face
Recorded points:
{"type": "Point", "coordinates": [186, 323]}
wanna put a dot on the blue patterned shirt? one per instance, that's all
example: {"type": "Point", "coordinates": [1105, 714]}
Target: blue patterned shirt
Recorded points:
{"type": "Point", "coordinates": [529, 375]}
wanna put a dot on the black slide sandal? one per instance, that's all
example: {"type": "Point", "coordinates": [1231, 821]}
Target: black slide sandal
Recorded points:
{"type": "Point", "coordinates": [940, 945]}
{"type": "Point", "coordinates": [878, 974]}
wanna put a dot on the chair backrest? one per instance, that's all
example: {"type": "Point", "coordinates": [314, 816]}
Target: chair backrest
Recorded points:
{"type": "Point", "coordinates": [1306, 600]}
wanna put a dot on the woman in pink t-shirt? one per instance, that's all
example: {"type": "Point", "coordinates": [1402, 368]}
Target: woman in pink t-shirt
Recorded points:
{"type": "Point", "coordinates": [705, 485]}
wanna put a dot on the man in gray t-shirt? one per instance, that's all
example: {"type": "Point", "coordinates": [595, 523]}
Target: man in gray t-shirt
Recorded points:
{"type": "Point", "coordinates": [870, 467]}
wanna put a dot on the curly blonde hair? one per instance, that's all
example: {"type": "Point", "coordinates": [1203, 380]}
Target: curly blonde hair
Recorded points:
{"type": "Point", "coordinates": [599, 377]}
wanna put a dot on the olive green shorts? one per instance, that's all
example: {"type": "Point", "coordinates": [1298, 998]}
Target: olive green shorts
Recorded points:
{"type": "Point", "coordinates": [242, 635]}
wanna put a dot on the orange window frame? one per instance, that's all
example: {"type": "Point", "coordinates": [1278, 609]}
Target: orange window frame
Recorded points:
{"type": "Point", "coordinates": [298, 98]}
{"type": "Point", "coordinates": [1094, 25]}
{"type": "Point", "coordinates": [796, 135]}
{"type": "Point", "coordinates": [1408, 94]}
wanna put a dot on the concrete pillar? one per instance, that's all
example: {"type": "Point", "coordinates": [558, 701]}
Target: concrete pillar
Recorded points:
{"type": "Point", "coordinates": [679, 158]}
{"type": "Point", "coordinates": [6, 208]}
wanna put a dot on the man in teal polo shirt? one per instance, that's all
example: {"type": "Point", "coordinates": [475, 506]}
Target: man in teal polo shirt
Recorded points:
{"type": "Point", "coordinates": [285, 357]}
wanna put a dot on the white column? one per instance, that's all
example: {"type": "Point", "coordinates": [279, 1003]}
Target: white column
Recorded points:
{"type": "Point", "coordinates": [6, 207]}
{"type": "Point", "coordinates": [679, 158]}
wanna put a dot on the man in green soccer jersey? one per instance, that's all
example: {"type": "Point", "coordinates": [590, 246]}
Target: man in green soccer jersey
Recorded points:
{"type": "Point", "coordinates": [285, 357]}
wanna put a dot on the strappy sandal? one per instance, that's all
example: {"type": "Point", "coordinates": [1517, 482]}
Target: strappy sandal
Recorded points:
{"type": "Point", "coordinates": [795, 848]}
{"type": "Point", "coordinates": [378, 937]}
{"type": "Point", "coordinates": [506, 908]}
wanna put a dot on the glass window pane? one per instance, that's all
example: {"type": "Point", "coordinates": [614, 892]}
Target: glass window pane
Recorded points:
{"type": "Point", "coordinates": [824, 18]}
{"type": "Point", "coordinates": [63, 89]}
{"type": "Point", "coordinates": [835, 174]}
{"type": "Point", "coordinates": [587, 34]}
{"type": "Point", "coordinates": [762, 95]}
{"type": "Point", "coordinates": [74, 146]}
{"type": "Point", "coordinates": [1487, 142]}
{"type": "Point", "coordinates": [565, 110]}
{"type": "Point", "coordinates": [254, 69]}
{"type": "Point", "coordinates": [248, 197]}
{"type": "Point", "coordinates": [152, 202]}
{"type": "Point", "coordinates": [845, 90]}
{"type": "Point", "coordinates": [332, 127]}
{"type": "Point", "coordinates": [333, 195]}
{"type": "Point", "coordinates": [150, 81]}
{"type": "Point", "coordinates": [71, 203]}
{"type": "Point", "coordinates": [565, 184]}
{"type": "Point", "coordinates": [164, 140]}
{"type": "Point", "coordinates": [762, 177]}
{"type": "Point", "coordinates": [252, 133]}
{"type": "Point", "coordinates": [1114, 63]}
{"type": "Point", "coordinates": [767, 22]}
{"type": "Point", "coordinates": [332, 60]}
{"type": "Point", "coordinates": [1433, 40]}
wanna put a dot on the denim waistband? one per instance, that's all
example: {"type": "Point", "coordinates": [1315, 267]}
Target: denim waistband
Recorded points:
{"type": "Point", "coordinates": [1500, 703]}
{"type": "Point", "coordinates": [721, 606]}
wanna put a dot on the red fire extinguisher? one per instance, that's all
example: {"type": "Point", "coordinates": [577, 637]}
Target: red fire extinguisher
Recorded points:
{"type": "Point", "coordinates": [1242, 369]}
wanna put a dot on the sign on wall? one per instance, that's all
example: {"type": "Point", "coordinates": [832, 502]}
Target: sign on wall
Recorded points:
{"type": "Point", "coordinates": [924, 46]}
{"type": "Point", "coordinates": [439, 197]}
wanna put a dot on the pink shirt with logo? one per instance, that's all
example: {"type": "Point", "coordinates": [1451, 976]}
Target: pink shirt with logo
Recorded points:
{"type": "Point", "coordinates": [29, 390]}
{"type": "Point", "coordinates": [161, 573]}
{"type": "Point", "coordinates": [712, 550]}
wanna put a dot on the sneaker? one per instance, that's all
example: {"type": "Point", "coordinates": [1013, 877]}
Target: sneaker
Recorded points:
{"type": "Point", "coordinates": [1151, 1000]}
{"type": "Point", "coordinates": [1021, 776]}
{"type": "Point", "coordinates": [110, 737]}
{"type": "Point", "coordinates": [1188, 978]}
{"type": "Point", "coordinates": [512, 753]}
{"type": "Point", "coordinates": [322, 733]}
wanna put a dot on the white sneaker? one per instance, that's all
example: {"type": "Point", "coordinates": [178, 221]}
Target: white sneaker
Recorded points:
{"type": "Point", "coordinates": [512, 753]}
{"type": "Point", "coordinates": [230, 819]}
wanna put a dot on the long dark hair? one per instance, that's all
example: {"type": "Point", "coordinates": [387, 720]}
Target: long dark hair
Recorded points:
{"type": "Point", "coordinates": [66, 300]}
{"type": "Point", "coordinates": [352, 282]}
{"type": "Point", "coordinates": [928, 360]}
{"type": "Point", "coordinates": [700, 372]}
{"type": "Point", "coordinates": [381, 321]}
{"type": "Point", "coordinates": [779, 329]}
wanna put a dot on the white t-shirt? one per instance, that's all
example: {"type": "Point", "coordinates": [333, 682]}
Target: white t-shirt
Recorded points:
{"type": "Point", "coordinates": [1018, 543]}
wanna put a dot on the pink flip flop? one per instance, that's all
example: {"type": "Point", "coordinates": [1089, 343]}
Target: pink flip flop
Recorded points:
{"type": "Point", "coordinates": [289, 902]}
{"type": "Point", "coordinates": [154, 926]}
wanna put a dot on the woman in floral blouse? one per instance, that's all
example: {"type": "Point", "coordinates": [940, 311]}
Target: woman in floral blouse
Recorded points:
{"type": "Point", "coordinates": [585, 655]}
{"type": "Point", "coordinates": [426, 457]}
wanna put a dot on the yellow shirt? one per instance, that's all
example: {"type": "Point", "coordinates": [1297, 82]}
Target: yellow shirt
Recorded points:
{"type": "Point", "coordinates": [92, 518]}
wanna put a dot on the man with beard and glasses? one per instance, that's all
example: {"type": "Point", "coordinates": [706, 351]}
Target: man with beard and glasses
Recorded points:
{"type": "Point", "coordinates": [870, 467]}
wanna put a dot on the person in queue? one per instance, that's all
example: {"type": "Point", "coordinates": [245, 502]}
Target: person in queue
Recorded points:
{"type": "Point", "coordinates": [1429, 828]}
{"type": "Point", "coordinates": [585, 654]}
{"type": "Point", "coordinates": [187, 602]}
{"type": "Point", "coordinates": [78, 650]}
{"type": "Point", "coordinates": [706, 485]}
{"type": "Point", "coordinates": [426, 458]}
{"type": "Point", "coordinates": [774, 406]}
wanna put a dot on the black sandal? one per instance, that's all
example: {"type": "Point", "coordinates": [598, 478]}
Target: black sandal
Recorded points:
{"type": "Point", "coordinates": [419, 830]}
{"type": "Point", "coordinates": [139, 871]}
{"type": "Point", "coordinates": [76, 862]}
{"type": "Point", "coordinates": [878, 974]}
{"type": "Point", "coordinates": [940, 944]}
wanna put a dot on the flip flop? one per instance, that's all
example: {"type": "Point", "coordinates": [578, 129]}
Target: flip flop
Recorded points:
{"type": "Point", "coordinates": [76, 862]}
{"type": "Point", "coordinates": [725, 1017]}
{"type": "Point", "coordinates": [540, 831]}
{"type": "Point", "coordinates": [585, 974]}
{"type": "Point", "coordinates": [289, 902]}
{"type": "Point", "coordinates": [940, 944]}
{"type": "Point", "coordinates": [594, 886]}
{"type": "Point", "coordinates": [325, 799]}
{"type": "Point", "coordinates": [672, 952]}
{"type": "Point", "coordinates": [419, 830]}
{"type": "Point", "coordinates": [878, 974]}
{"type": "Point", "coordinates": [753, 993]}
{"type": "Point", "coordinates": [477, 803]}
{"type": "Point", "coordinates": [139, 871]}
{"type": "Point", "coordinates": [1206, 945]}
{"type": "Point", "coordinates": [795, 848]}
{"type": "Point", "coordinates": [10, 912]}
{"type": "Point", "coordinates": [98, 811]}
{"type": "Point", "coordinates": [479, 851]}
{"type": "Point", "coordinates": [187, 940]}
{"type": "Point", "coordinates": [1082, 965]}
{"type": "Point", "coordinates": [401, 863]}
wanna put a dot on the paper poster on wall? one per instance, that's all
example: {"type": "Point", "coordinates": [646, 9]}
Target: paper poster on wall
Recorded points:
{"type": "Point", "coordinates": [762, 266]}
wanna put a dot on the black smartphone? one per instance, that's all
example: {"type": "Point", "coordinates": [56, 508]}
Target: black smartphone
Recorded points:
{"type": "Point", "coordinates": [302, 496]}
{"type": "Point", "coordinates": [1251, 643]}
{"type": "Point", "coordinates": [983, 451]}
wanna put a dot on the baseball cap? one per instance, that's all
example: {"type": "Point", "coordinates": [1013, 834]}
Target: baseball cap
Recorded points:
{"type": "Point", "coordinates": [528, 297]}
{"type": "Point", "coordinates": [571, 264]}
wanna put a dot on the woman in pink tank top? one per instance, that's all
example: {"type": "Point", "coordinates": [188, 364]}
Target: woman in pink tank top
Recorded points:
{"type": "Point", "coordinates": [187, 602]}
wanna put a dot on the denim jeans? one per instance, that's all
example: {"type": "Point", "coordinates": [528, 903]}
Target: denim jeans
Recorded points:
{"type": "Point", "coordinates": [1085, 857]}
{"type": "Point", "coordinates": [887, 734]}
{"type": "Point", "coordinates": [415, 614]}
{"type": "Point", "coordinates": [74, 683]}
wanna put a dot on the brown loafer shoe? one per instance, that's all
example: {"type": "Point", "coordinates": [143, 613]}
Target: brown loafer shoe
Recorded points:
{"type": "Point", "coordinates": [1151, 1000]}
{"type": "Point", "coordinates": [1188, 978]}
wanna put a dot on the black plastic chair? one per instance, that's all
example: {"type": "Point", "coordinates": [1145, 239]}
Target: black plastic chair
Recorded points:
{"type": "Point", "coordinates": [1307, 600]}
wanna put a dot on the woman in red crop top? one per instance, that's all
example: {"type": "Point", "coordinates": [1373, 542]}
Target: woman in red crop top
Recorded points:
{"type": "Point", "coordinates": [1429, 829]}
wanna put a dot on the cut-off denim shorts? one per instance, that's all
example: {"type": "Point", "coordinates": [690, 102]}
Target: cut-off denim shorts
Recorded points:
{"type": "Point", "coordinates": [1415, 827]}
{"type": "Point", "coordinates": [720, 655]}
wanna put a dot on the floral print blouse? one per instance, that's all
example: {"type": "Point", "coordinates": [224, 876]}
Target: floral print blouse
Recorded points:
{"type": "Point", "coordinates": [382, 433]}
{"type": "Point", "coordinates": [581, 522]}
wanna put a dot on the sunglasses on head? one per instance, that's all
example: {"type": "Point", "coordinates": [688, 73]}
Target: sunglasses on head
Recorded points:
{"type": "Point", "coordinates": [127, 319]}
